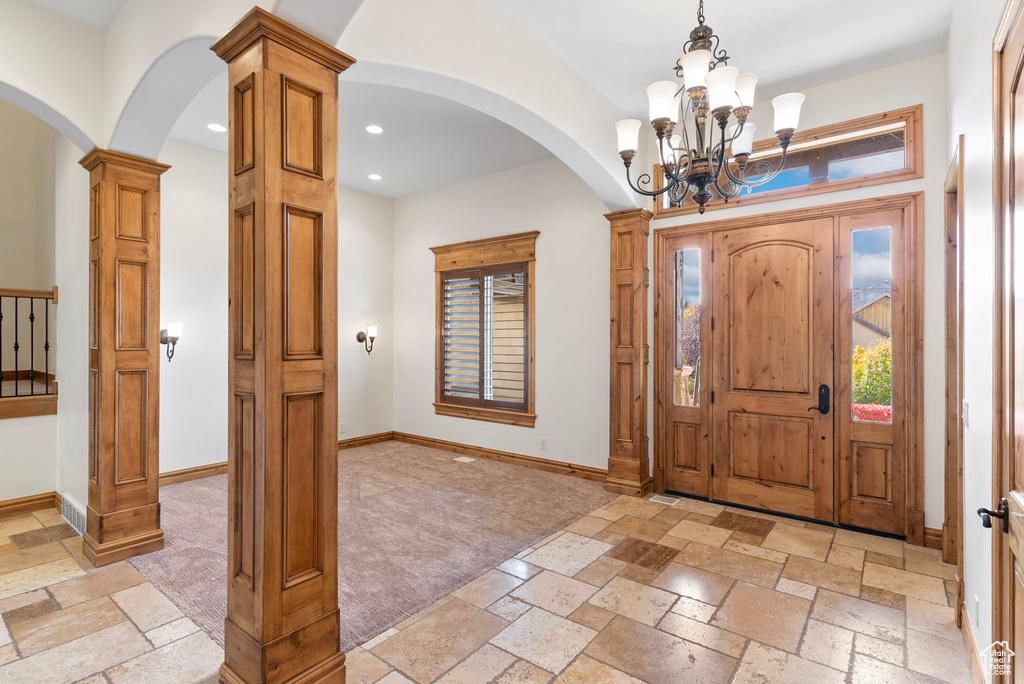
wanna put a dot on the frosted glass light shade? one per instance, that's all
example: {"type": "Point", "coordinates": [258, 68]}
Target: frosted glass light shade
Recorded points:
{"type": "Point", "coordinates": [628, 131]}
{"type": "Point", "coordinates": [745, 84]}
{"type": "Point", "coordinates": [745, 142]}
{"type": "Point", "coordinates": [696, 65]}
{"type": "Point", "coordinates": [371, 331]}
{"type": "Point", "coordinates": [787, 110]}
{"type": "Point", "coordinates": [661, 99]}
{"type": "Point", "coordinates": [721, 84]}
{"type": "Point", "coordinates": [175, 328]}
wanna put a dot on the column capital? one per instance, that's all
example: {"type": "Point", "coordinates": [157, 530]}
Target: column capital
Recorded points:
{"type": "Point", "coordinates": [97, 156]}
{"type": "Point", "coordinates": [259, 24]}
{"type": "Point", "coordinates": [630, 214]}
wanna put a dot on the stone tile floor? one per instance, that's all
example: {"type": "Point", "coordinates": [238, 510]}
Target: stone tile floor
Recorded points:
{"type": "Point", "coordinates": [636, 591]}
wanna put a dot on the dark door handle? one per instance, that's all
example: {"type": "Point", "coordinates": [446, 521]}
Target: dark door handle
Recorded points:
{"type": "Point", "coordinates": [1003, 513]}
{"type": "Point", "coordinates": [824, 400]}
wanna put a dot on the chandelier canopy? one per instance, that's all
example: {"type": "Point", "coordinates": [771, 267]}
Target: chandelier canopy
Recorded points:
{"type": "Point", "coordinates": [691, 153]}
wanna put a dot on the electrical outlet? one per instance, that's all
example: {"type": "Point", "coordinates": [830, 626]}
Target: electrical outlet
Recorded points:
{"type": "Point", "coordinates": [976, 610]}
{"type": "Point", "coordinates": [341, 428]}
{"type": "Point", "coordinates": [543, 443]}
{"type": "Point", "coordinates": [966, 413]}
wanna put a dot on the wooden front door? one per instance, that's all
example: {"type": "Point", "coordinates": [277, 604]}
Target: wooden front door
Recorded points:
{"type": "Point", "coordinates": [772, 332]}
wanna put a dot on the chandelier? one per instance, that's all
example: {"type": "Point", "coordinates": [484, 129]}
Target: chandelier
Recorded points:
{"type": "Point", "coordinates": [691, 152]}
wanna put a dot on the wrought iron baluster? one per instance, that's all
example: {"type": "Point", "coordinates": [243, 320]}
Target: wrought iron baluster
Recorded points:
{"type": "Point", "coordinates": [31, 346]}
{"type": "Point", "coordinates": [46, 342]}
{"type": "Point", "coordinates": [16, 346]}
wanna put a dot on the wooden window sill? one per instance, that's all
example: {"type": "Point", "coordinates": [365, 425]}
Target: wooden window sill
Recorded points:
{"type": "Point", "coordinates": [25, 407]}
{"type": "Point", "coordinates": [519, 418]}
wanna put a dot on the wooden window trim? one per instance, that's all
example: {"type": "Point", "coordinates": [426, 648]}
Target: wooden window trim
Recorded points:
{"type": "Point", "coordinates": [913, 168]}
{"type": "Point", "coordinates": [517, 250]}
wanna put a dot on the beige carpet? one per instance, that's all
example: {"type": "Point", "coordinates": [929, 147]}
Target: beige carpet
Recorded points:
{"type": "Point", "coordinates": [414, 525]}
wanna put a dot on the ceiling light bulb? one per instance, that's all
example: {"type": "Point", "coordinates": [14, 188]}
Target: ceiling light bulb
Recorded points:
{"type": "Point", "coordinates": [375, 129]}
{"type": "Point", "coordinates": [374, 176]}
{"type": "Point", "coordinates": [217, 128]}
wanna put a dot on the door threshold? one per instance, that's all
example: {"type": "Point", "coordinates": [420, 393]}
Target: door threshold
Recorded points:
{"type": "Point", "coordinates": [789, 516]}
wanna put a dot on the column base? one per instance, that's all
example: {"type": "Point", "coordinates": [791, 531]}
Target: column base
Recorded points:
{"type": "Point", "coordinates": [330, 671]}
{"type": "Point", "coordinates": [628, 487]}
{"type": "Point", "coordinates": [113, 537]}
{"type": "Point", "coordinates": [112, 552]}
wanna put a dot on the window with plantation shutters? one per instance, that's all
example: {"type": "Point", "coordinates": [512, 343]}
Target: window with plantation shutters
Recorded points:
{"type": "Point", "coordinates": [484, 336]}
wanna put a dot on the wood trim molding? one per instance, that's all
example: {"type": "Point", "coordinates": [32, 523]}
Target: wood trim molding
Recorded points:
{"type": "Point", "coordinates": [353, 442]}
{"type": "Point", "coordinates": [493, 251]}
{"type": "Point", "coordinates": [971, 646]}
{"type": "Point", "coordinates": [952, 527]}
{"type": "Point", "coordinates": [194, 473]}
{"type": "Point", "coordinates": [26, 407]}
{"type": "Point", "coordinates": [259, 24]}
{"type": "Point", "coordinates": [492, 415]}
{"type": "Point", "coordinates": [932, 538]}
{"type": "Point", "coordinates": [26, 504]}
{"type": "Point", "coordinates": [628, 458]}
{"type": "Point", "coordinates": [34, 294]}
{"type": "Point", "coordinates": [559, 467]}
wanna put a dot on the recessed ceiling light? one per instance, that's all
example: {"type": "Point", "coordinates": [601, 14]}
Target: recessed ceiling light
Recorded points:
{"type": "Point", "coordinates": [375, 129]}
{"type": "Point", "coordinates": [217, 128]}
{"type": "Point", "coordinates": [374, 176]}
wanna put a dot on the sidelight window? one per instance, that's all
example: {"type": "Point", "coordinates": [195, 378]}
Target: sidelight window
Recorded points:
{"type": "Point", "coordinates": [687, 374]}
{"type": "Point", "coordinates": [871, 325]}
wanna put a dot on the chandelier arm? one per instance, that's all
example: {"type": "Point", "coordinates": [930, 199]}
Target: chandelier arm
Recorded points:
{"type": "Point", "coordinates": [641, 181]}
{"type": "Point", "coordinates": [665, 168]}
{"type": "Point", "coordinates": [762, 166]}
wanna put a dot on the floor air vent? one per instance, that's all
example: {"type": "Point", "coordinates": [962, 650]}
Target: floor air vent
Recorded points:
{"type": "Point", "coordinates": [664, 499]}
{"type": "Point", "coordinates": [74, 516]}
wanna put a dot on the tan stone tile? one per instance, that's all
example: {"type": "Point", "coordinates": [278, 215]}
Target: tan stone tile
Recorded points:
{"type": "Point", "coordinates": [932, 618]}
{"type": "Point", "coordinates": [695, 531]}
{"type": "Point", "coordinates": [846, 556]}
{"type": "Point", "coordinates": [676, 543]}
{"type": "Point", "coordinates": [607, 515]}
{"type": "Point", "coordinates": [49, 516]}
{"type": "Point", "coordinates": [639, 528]}
{"type": "Point", "coordinates": [524, 673]}
{"type": "Point", "coordinates": [827, 644]}
{"type": "Point", "coordinates": [186, 660]}
{"type": "Point", "coordinates": [29, 612]}
{"type": "Point", "coordinates": [146, 606]}
{"type": "Point", "coordinates": [18, 523]}
{"type": "Point", "coordinates": [731, 563]}
{"type": "Point", "coordinates": [909, 584]}
{"type": "Point", "coordinates": [744, 524]}
{"type": "Point", "coordinates": [591, 616]}
{"type": "Point", "coordinates": [104, 581]}
{"type": "Point", "coordinates": [634, 507]}
{"type": "Point", "coordinates": [31, 557]}
{"type": "Point", "coordinates": [46, 535]}
{"type": "Point", "coordinates": [601, 571]}
{"type": "Point", "coordinates": [546, 640]}
{"type": "Point", "coordinates": [744, 538]}
{"type": "Point", "coordinates": [172, 631]}
{"type": "Point", "coordinates": [519, 568]}
{"type": "Point", "coordinates": [763, 664]}
{"type": "Point", "coordinates": [937, 657]}
{"type": "Point", "coordinates": [568, 554]}
{"type": "Point", "coordinates": [39, 576]}
{"type": "Point", "coordinates": [74, 547]}
{"type": "Point", "coordinates": [7, 548]}
{"type": "Point", "coordinates": [869, 542]}
{"type": "Point", "coordinates": [643, 553]}
{"type": "Point", "coordinates": [707, 587]}
{"type": "Point", "coordinates": [884, 559]}
{"type": "Point", "coordinates": [7, 654]}
{"type": "Point", "coordinates": [639, 574]}
{"type": "Point", "coordinates": [766, 615]}
{"type": "Point", "coordinates": [555, 593]}
{"type": "Point", "coordinates": [656, 657]}
{"type": "Point", "coordinates": [636, 601]}
{"type": "Point", "coordinates": [47, 631]}
{"type": "Point", "coordinates": [704, 634]}
{"type": "Point", "coordinates": [431, 646]}
{"type": "Point", "coordinates": [800, 541]}
{"type": "Point", "coordinates": [834, 577]}
{"type": "Point", "coordinates": [21, 600]}
{"type": "Point", "coordinates": [859, 615]}
{"type": "Point", "coordinates": [423, 613]}
{"type": "Point", "coordinates": [548, 539]}
{"type": "Point", "coordinates": [755, 551]}
{"type": "Point", "coordinates": [588, 525]}
{"type": "Point", "coordinates": [482, 666]}
{"type": "Point", "coordinates": [693, 609]}
{"type": "Point", "coordinates": [886, 598]}
{"type": "Point", "coordinates": [487, 588]}
{"type": "Point", "coordinates": [395, 677]}
{"type": "Point", "coordinates": [611, 538]}
{"type": "Point", "coordinates": [525, 552]}
{"type": "Point", "coordinates": [508, 608]}
{"type": "Point", "coordinates": [671, 515]}
{"type": "Point", "coordinates": [794, 588]}
{"type": "Point", "coordinates": [380, 638]}
{"type": "Point", "coordinates": [586, 670]}
{"type": "Point", "coordinates": [870, 671]}
{"type": "Point", "coordinates": [701, 518]}
{"type": "Point", "coordinates": [702, 507]}
{"type": "Point", "coordinates": [879, 649]}
{"type": "Point", "coordinates": [927, 562]}
{"type": "Point", "coordinates": [362, 667]}
{"type": "Point", "coordinates": [80, 658]}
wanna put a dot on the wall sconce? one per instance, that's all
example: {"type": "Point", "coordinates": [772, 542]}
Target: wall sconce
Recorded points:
{"type": "Point", "coordinates": [170, 336]}
{"type": "Point", "coordinates": [367, 337]}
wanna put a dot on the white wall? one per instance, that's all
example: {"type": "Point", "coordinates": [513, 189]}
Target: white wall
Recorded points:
{"type": "Point", "coordinates": [920, 81]}
{"type": "Point", "coordinates": [571, 301]}
{"type": "Point", "coordinates": [28, 456]}
{"type": "Point", "coordinates": [970, 114]}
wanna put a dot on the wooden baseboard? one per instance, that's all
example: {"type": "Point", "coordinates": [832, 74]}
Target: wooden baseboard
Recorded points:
{"type": "Point", "coordinates": [560, 467]}
{"type": "Point", "coordinates": [26, 407]}
{"type": "Point", "coordinates": [195, 473]}
{"type": "Point", "coordinates": [26, 504]}
{"type": "Point", "coordinates": [971, 646]}
{"type": "Point", "coordinates": [932, 538]}
{"type": "Point", "coordinates": [354, 442]}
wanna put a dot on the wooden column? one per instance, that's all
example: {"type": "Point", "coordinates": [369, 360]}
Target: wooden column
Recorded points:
{"type": "Point", "coordinates": [123, 517]}
{"type": "Point", "coordinates": [282, 622]}
{"type": "Point", "coordinates": [628, 462]}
